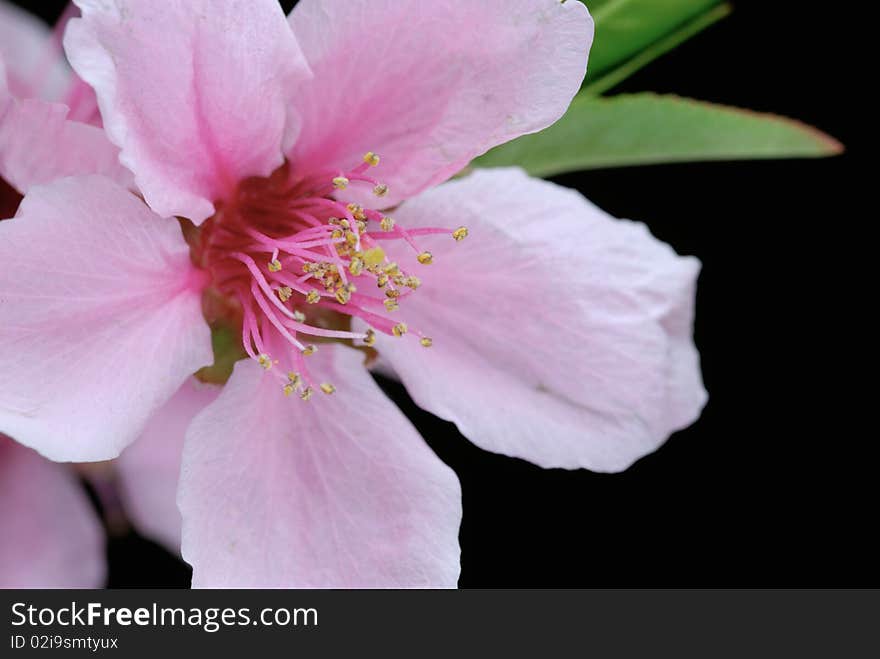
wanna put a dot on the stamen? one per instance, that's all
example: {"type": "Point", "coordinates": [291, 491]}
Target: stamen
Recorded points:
{"type": "Point", "coordinates": [426, 341]}
{"type": "Point", "coordinates": [425, 258]}
{"type": "Point", "coordinates": [327, 388]}
{"type": "Point", "coordinates": [371, 159]}
{"type": "Point", "coordinates": [460, 234]}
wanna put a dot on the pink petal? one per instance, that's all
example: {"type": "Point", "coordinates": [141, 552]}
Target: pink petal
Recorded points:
{"type": "Point", "coordinates": [430, 85]}
{"type": "Point", "coordinates": [35, 67]}
{"type": "Point", "coordinates": [149, 469]}
{"type": "Point", "coordinates": [195, 93]}
{"type": "Point", "coordinates": [100, 318]}
{"type": "Point", "coordinates": [561, 335]}
{"type": "Point", "coordinates": [337, 492]}
{"type": "Point", "coordinates": [39, 144]}
{"type": "Point", "coordinates": [51, 537]}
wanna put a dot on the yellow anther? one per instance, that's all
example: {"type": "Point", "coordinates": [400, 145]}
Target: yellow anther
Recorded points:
{"type": "Point", "coordinates": [327, 388]}
{"type": "Point", "coordinates": [333, 220]}
{"type": "Point", "coordinates": [399, 279]}
{"type": "Point", "coordinates": [412, 282]}
{"type": "Point", "coordinates": [293, 379]}
{"type": "Point", "coordinates": [362, 226]}
{"type": "Point", "coordinates": [391, 304]}
{"type": "Point", "coordinates": [427, 341]}
{"type": "Point", "coordinates": [392, 292]}
{"type": "Point", "coordinates": [387, 223]}
{"type": "Point", "coordinates": [380, 190]}
{"type": "Point", "coordinates": [371, 159]}
{"type": "Point", "coordinates": [345, 224]}
{"type": "Point", "coordinates": [370, 338]}
{"type": "Point", "coordinates": [309, 350]}
{"type": "Point", "coordinates": [340, 183]}
{"type": "Point", "coordinates": [374, 256]}
{"type": "Point", "coordinates": [313, 297]}
{"type": "Point", "coordinates": [351, 238]}
{"type": "Point", "coordinates": [343, 296]}
{"type": "Point", "coordinates": [425, 258]}
{"type": "Point", "coordinates": [382, 280]}
{"type": "Point", "coordinates": [309, 267]}
{"type": "Point", "coordinates": [391, 269]}
{"type": "Point", "coordinates": [284, 293]}
{"type": "Point", "coordinates": [299, 316]}
{"type": "Point", "coordinates": [460, 234]}
{"type": "Point", "coordinates": [356, 267]}
{"type": "Point", "coordinates": [357, 211]}
{"type": "Point", "coordinates": [400, 329]}
{"type": "Point", "coordinates": [288, 389]}
{"type": "Point", "coordinates": [264, 360]}
{"type": "Point", "coordinates": [274, 265]}
{"type": "Point", "coordinates": [306, 393]}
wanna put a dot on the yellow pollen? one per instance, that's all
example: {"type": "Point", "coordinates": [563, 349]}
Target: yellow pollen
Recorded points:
{"type": "Point", "coordinates": [374, 256]}
{"type": "Point", "coordinates": [306, 393]}
{"type": "Point", "coordinates": [460, 234]}
{"type": "Point", "coordinates": [382, 280]}
{"type": "Point", "coordinates": [264, 360]}
{"type": "Point", "coordinates": [313, 297]}
{"type": "Point", "coordinates": [425, 258]}
{"type": "Point", "coordinates": [327, 388]}
{"type": "Point", "coordinates": [357, 211]}
{"type": "Point", "coordinates": [336, 234]}
{"type": "Point", "coordinates": [399, 329]}
{"type": "Point", "coordinates": [399, 279]}
{"type": "Point", "coordinates": [391, 304]}
{"type": "Point", "coordinates": [370, 338]}
{"type": "Point", "coordinates": [274, 265]}
{"type": "Point", "coordinates": [392, 292]}
{"type": "Point", "coordinates": [427, 341]}
{"type": "Point", "coordinates": [351, 238]}
{"type": "Point", "coordinates": [387, 223]}
{"type": "Point", "coordinates": [356, 267]}
{"type": "Point", "coordinates": [343, 296]}
{"type": "Point", "coordinates": [391, 269]}
{"type": "Point", "coordinates": [371, 159]}
{"type": "Point", "coordinates": [293, 379]}
{"type": "Point", "coordinates": [309, 350]}
{"type": "Point", "coordinates": [284, 293]}
{"type": "Point", "coordinates": [288, 389]}
{"type": "Point", "coordinates": [412, 282]}
{"type": "Point", "coordinates": [345, 224]}
{"type": "Point", "coordinates": [340, 183]}
{"type": "Point", "coordinates": [380, 190]}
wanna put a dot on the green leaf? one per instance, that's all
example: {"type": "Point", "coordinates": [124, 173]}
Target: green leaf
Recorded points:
{"type": "Point", "coordinates": [624, 28]}
{"type": "Point", "coordinates": [226, 344]}
{"type": "Point", "coordinates": [662, 46]}
{"type": "Point", "coordinates": [642, 129]}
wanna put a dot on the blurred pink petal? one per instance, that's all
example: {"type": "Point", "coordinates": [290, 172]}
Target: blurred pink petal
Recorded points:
{"type": "Point", "coordinates": [39, 144]}
{"type": "Point", "coordinates": [195, 93]}
{"type": "Point", "coordinates": [51, 537]}
{"type": "Point", "coordinates": [560, 334]}
{"type": "Point", "coordinates": [35, 69]}
{"type": "Point", "coordinates": [338, 493]}
{"type": "Point", "coordinates": [430, 85]}
{"type": "Point", "coordinates": [100, 318]}
{"type": "Point", "coordinates": [149, 469]}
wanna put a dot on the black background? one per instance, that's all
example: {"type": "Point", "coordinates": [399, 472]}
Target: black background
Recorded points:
{"type": "Point", "coordinates": [773, 485]}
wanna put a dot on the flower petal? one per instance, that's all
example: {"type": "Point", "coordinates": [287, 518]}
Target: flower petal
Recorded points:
{"type": "Point", "coordinates": [36, 68]}
{"type": "Point", "coordinates": [38, 143]}
{"type": "Point", "coordinates": [337, 492]}
{"type": "Point", "coordinates": [149, 469]}
{"type": "Point", "coordinates": [51, 537]}
{"type": "Point", "coordinates": [430, 85]}
{"type": "Point", "coordinates": [100, 318]}
{"type": "Point", "coordinates": [561, 335]}
{"type": "Point", "coordinates": [194, 92]}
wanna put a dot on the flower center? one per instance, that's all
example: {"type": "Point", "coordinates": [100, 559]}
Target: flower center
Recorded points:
{"type": "Point", "coordinates": [293, 265]}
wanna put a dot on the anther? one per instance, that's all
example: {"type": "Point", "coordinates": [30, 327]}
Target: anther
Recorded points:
{"type": "Point", "coordinates": [387, 223]}
{"type": "Point", "coordinates": [382, 280]}
{"type": "Point", "coordinates": [274, 265]}
{"type": "Point", "coordinates": [309, 350]}
{"type": "Point", "coordinates": [425, 258]}
{"type": "Point", "coordinates": [427, 341]}
{"type": "Point", "coordinates": [380, 190]}
{"type": "Point", "coordinates": [284, 293]}
{"type": "Point", "coordinates": [306, 393]}
{"type": "Point", "coordinates": [264, 360]}
{"type": "Point", "coordinates": [313, 297]}
{"type": "Point", "coordinates": [327, 388]}
{"type": "Point", "coordinates": [343, 296]}
{"type": "Point", "coordinates": [370, 338]}
{"type": "Point", "coordinates": [391, 304]}
{"type": "Point", "coordinates": [460, 234]}
{"type": "Point", "coordinates": [371, 159]}
{"type": "Point", "coordinates": [399, 330]}
{"type": "Point", "coordinates": [340, 183]}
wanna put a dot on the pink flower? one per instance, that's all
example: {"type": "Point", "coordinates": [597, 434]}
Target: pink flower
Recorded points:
{"type": "Point", "coordinates": [552, 333]}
